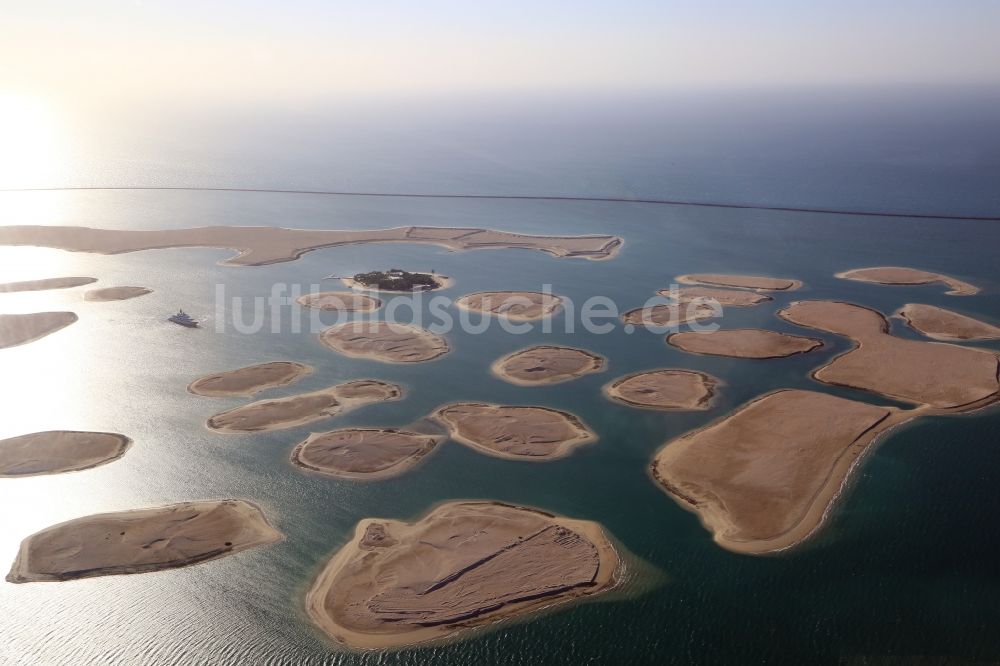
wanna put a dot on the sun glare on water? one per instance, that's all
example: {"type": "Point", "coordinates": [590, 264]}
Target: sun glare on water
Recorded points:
{"type": "Point", "coordinates": [31, 148]}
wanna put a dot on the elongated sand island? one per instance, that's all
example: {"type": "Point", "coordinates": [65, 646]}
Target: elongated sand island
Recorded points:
{"type": "Point", "coordinates": [116, 293]}
{"type": "Point", "coordinates": [898, 275]}
{"type": "Point", "coordinates": [941, 324]}
{"type": "Point", "coordinates": [515, 432]}
{"type": "Point", "coordinates": [743, 343]}
{"type": "Point", "coordinates": [46, 284]}
{"type": "Point", "coordinates": [737, 298]}
{"type": "Point", "coordinates": [389, 342]}
{"type": "Point", "coordinates": [363, 453]}
{"type": "Point", "coordinates": [143, 540]}
{"type": "Point", "coordinates": [669, 389]}
{"type": "Point", "coordinates": [20, 329]}
{"type": "Point", "coordinates": [514, 305]}
{"type": "Point", "coordinates": [944, 376]}
{"type": "Point", "coordinates": [297, 410]}
{"type": "Point", "coordinates": [546, 364]}
{"type": "Point", "coordinates": [461, 566]}
{"type": "Point", "coordinates": [250, 380]}
{"type": "Point", "coordinates": [257, 246]}
{"type": "Point", "coordinates": [754, 282]}
{"type": "Point", "coordinates": [57, 451]}
{"type": "Point", "coordinates": [339, 301]}
{"type": "Point", "coordinates": [762, 478]}
{"type": "Point", "coordinates": [670, 315]}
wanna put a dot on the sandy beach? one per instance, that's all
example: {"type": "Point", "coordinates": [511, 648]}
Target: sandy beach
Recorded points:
{"type": "Point", "coordinates": [941, 324]}
{"type": "Point", "coordinates": [250, 380]}
{"type": "Point", "coordinates": [754, 282]}
{"type": "Point", "coordinates": [546, 364]}
{"type": "Point", "coordinates": [20, 329]}
{"type": "Point", "coordinates": [514, 305]}
{"type": "Point", "coordinates": [57, 451]}
{"type": "Point", "coordinates": [898, 275]}
{"type": "Point", "coordinates": [363, 453]}
{"type": "Point", "coordinates": [388, 342]}
{"type": "Point", "coordinates": [669, 389]}
{"type": "Point", "coordinates": [743, 343]}
{"type": "Point", "coordinates": [339, 301]}
{"type": "Point", "coordinates": [45, 284]}
{"type": "Point", "coordinates": [115, 293]}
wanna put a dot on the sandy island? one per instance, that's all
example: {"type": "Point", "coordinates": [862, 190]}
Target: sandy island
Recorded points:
{"type": "Point", "coordinates": [297, 410]}
{"type": "Point", "coordinates": [941, 324]}
{"type": "Point", "coordinates": [743, 343]}
{"type": "Point", "coordinates": [546, 364]}
{"type": "Point", "coordinates": [754, 282]}
{"type": "Point", "coordinates": [58, 451]}
{"type": "Point", "coordinates": [339, 301]}
{"type": "Point", "coordinates": [250, 380]}
{"type": "Point", "coordinates": [514, 305]}
{"type": "Point", "coordinates": [142, 540]}
{"type": "Point", "coordinates": [947, 377]}
{"type": "Point", "coordinates": [729, 297]}
{"type": "Point", "coordinates": [20, 329]}
{"type": "Point", "coordinates": [667, 389]}
{"type": "Point", "coordinates": [514, 432]}
{"type": "Point", "coordinates": [257, 246]}
{"type": "Point", "coordinates": [670, 315]}
{"type": "Point", "coordinates": [389, 342]}
{"type": "Point", "coordinates": [363, 453]}
{"type": "Point", "coordinates": [463, 565]}
{"type": "Point", "coordinates": [47, 283]}
{"type": "Point", "coordinates": [116, 293]}
{"type": "Point", "coordinates": [898, 275]}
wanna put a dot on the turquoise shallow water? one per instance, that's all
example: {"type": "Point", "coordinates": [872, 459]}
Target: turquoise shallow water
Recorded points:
{"type": "Point", "coordinates": [905, 567]}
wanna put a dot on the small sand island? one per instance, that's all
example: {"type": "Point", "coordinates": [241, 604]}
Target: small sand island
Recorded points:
{"type": "Point", "coordinates": [763, 478]}
{"type": "Point", "coordinates": [743, 343]}
{"type": "Point", "coordinates": [941, 324]}
{"type": "Point", "coordinates": [898, 275]}
{"type": "Point", "coordinates": [141, 541]}
{"type": "Point", "coordinates": [728, 297]}
{"type": "Point", "coordinates": [46, 284]}
{"type": "Point", "coordinates": [297, 410]}
{"type": "Point", "coordinates": [668, 389]}
{"type": "Point", "coordinates": [397, 280]}
{"type": "Point", "coordinates": [670, 315]}
{"type": "Point", "coordinates": [250, 380]}
{"type": "Point", "coordinates": [546, 364]}
{"type": "Point", "coordinates": [754, 282]}
{"type": "Point", "coordinates": [116, 293]}
{"type": "Point", "coordinates": [363, 453]}
{"type": "Point", "coordinates": [389, 342]}
{"type": "Point", "coordinates": [57, 451]}
{"type": "Point", "coordinates": [20, 329]}
{"type": "Point", "coordinates": [514, 305]}
{"type": "Point", "coordinates": [514, 432]}
{"type": "Point", "coordinates": [339, 301]}
{"type": "Point", "coordinates": [947, 377]}
{"type": "Point", "coordinates": [463, 565]}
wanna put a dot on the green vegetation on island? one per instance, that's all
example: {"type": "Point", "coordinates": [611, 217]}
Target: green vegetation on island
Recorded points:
{"type": "Point", "coordinates": [395, 279]}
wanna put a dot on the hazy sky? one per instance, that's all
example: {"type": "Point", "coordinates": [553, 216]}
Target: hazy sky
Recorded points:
{"type": "Point", "coordinates": [102, 50]}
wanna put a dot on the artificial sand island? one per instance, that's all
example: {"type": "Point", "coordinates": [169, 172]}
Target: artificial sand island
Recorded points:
{"type": "Point", "coordinates": [754, 282]}
{"type": "Point", "coordinates": [514, 432]}
{"type": "Point", "coordinates": [57, 451]}
{"type": "Point", "coordinates": [258, 246]}
{"type": "Point", "coordinates": [20, 329]}
{"type": "Point", "coordinates": [45, 284]}
{"type": "Point", "coordinates": [941, 324]}
{"type": "Point", "coordinates": [395, 280]}
{"type": "Point", "coordinates": [546, 364]}
{"type": "Point", "coordinates": [389, 342]}
{"type": "Point", "coordinates": [463, 565]}
{"type": "Point", "coordinates": [743, 343]}
{"type": "Point", "coordinates": [116, 293]}
{"type": "Point", "coordinates": [672, 315]}
{"type": "Point", "coordinates": [142, 540]}
{"type": "Point", "coordinates": [898, 275]}
{"type": "Point", "coordinates": [668, 389]}
{"type": "Point", "coordinates": [514, 305]}
{"type": "Point", "coordinates": [728, 297]}
{"type": "Point", "coordinates": [248, 381]}
{"type": "Point", "coordinates": [297, 410]}
{"type": "Point", "coordinates": [339, 301]}
{"type": "Point", "coordinates": [363, 453]}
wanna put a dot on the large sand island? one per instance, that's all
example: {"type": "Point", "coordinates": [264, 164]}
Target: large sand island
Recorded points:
{"type": "Point", "coordinates": [514, 305]}
{"type": "Point", "coordinates": [514, 432]}
{"type": "Point", "coordinates": [668, 389]}
{"type": "Point", "coordinates": [339, 301]}
{"type": "Point", "coordinates": [754, 282]}
{"type": "Point", "coordinates": [743, 343]}
{"type": "Point", "coordinates": [257, 246]}
{"type": "Point", "coordinates": [941, 324]}
{"type": "Point", "coordinates": [463, 565]}
{"type": "Point", "coordinates": [947, 377]}
{"type": "Point", "coordinates": [304, 408]}
{"type": "Point", "coordinates": [116, 293]}
{"type": "Point", "coordinates": [20, 329]}
{"type": "Point", "coordinates": [672, 315]}
{"type": "Point", "coordinates": [389, 342]}
{"type": "Point", "coordinates": [363, 453]}
{"type": "Point", "coordinates": [57, 451]}
{"type": "Point", "coordinates": [250, 380]}
{"type": "Point", "coordinates": [898, 275]}
{"type": "Point", "coordinates": [45, 284]}
{"type": "Point", "coordinates": [142, 540]}
{"type": "Point", "coordinates": [546, 364]}
{"type": "Point", "coordinates": [729, 297]}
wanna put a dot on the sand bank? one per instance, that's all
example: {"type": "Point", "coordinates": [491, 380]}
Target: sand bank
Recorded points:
{"type": "Point", "coordinates": [249, 380]}
{"type": "Point", "coordinates": [116, 293]}
{"type": "Point", "coordinates": [297, 410]}
{"type": "Point", "coordinates": [20, 329]}
{"type": "Point", "coordinates": [743, 343]}
{"type": "Point", "coordinates": [941, 324]}
{"type": "Point", "coordinates": [669, 315]}
{"type": "Point", "coordinates": [898, 275]}
{"type": "Point", "coordinates": [728, 297]}
{"type": "Point", "coordinates": [389, 342]}
{"type": "Point", "coordinates": [258, 246]}
{"type": "Point", "coordinates": [463, 565]}
{"type": "Point", "coordinates": [363, 453]}
{"type": "Point", "coordinates": [514, 432]}
{"type": "Point", "coordinates": [546, 364]}
{"type": "Point", "coordinates": [667, 389]}
{"type": "Point", "coordinates": [339, 301]}
{"type": "Point", "coordinates": [47, 283]}
{"type": "Point", "coordinates": [59, 451]}
{"type": "Point", "coordinates": [142, 540]}
{"type": "Point", "coordinates": [514, 305]}
{"type": "Point", "coordinates": [755, 282]}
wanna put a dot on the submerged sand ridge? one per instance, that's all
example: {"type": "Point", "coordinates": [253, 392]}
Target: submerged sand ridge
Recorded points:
{"type": "Point", "coordinates": [546, 364]}
{"type": "Point", "coordinates": [669, 389]}
{"type": "Point", "coordinates": [339, 301]}
{"type": "Point", "coordinates": [45, 284]}
{"type": "Point", "coordinates": [941, 324]}
{"type": "Point", "coordinates": [514, 305]}
{"type": "Point", "coordinates": [116, 293]}
{"type": "Point", "coordinates": [258, 246]}
{"type": "Point", "coordinates": [58, 451]}
{"type": "Point", "coordinates": [20, 329]}
{"type": "Point", "coordinates": [898, 275]}
{"type": "Point", "coordinates": [250, 380]}
{"type": "Point", "coordinates": [389, 342]}
{"type": "Point", "coordinates": [754, 282]}
{"type": "Point", "coordinates": [140, 541]}
{"type": "Point", "coordinates": [743, 343]}
{"type": "Point", "coordinates": [363, 453]}
{"type": "Point", "coordinates": [463, 565]}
